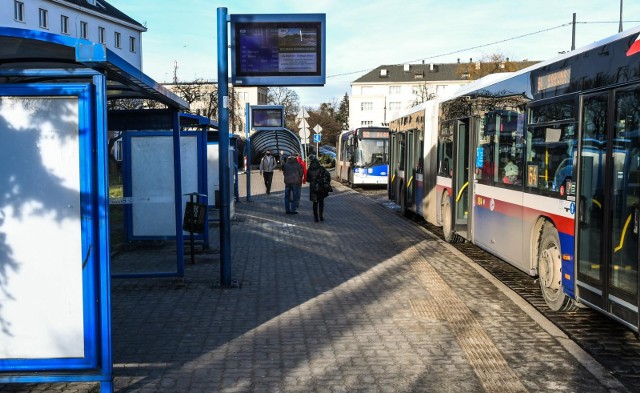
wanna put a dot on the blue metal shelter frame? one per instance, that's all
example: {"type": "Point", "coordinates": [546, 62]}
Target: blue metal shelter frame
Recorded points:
{"type": "Point", "coordinates": [38, 64]}
{"type": "Point", "coordinates": [278, 140]}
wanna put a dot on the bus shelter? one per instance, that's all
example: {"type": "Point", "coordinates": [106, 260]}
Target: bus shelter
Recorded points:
{"type": "Point", "coordinates": [55, 322]}
{"type": "Point", "coordinates": [152, 165]}
{"type": "Point", "coordinates": [280, 141]}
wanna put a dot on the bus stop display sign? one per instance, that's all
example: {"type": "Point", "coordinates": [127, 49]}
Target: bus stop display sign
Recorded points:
{"type": "Point", "coordinates": [278, 50]}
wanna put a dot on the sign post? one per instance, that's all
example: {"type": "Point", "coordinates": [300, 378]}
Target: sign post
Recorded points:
{"type": "Point", "coordinates": [304, 126]}
{"type": "Point", "coordinates": [223, 124]}
{"type": "Point", "coordinates": [247, 147]}
{"type": "Point", "coordinates": [317, 136]}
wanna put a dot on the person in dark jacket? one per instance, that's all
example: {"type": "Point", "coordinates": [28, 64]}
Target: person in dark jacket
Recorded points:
{"type": "Point", "coordinates": [316, 176]}
{"type": "Point", "coordinates": [293, 175]}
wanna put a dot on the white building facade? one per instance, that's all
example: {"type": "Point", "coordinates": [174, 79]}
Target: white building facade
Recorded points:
{"type": "Point", "coordinates": [382, 94]}
{"type": "Point", "coordinates": [94, 20]}
{"type": "Point", "coordinates": [201, 101]}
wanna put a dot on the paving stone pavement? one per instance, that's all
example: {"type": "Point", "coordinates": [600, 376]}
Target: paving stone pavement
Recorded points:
{"type": "Point", "coordinates": [365, 301]}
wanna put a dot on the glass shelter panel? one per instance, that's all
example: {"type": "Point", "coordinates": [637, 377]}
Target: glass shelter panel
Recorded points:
{"type": "Point", "coordinates": [41, 205]}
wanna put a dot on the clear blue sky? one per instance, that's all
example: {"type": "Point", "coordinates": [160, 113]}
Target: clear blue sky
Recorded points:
{"type": "Point", "coordinates": [364, 34]}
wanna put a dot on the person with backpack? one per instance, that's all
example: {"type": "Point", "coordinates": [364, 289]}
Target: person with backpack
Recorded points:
{"type": "Point", "coordinates": [319, 180]}
{"type": "Point", "coordinates": [267, 165]}
{"type": "Point", "coordinates": [293, 174]}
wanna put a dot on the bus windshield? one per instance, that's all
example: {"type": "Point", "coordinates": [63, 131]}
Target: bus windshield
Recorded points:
{"type": "Point", "coordinates": [371, 152]}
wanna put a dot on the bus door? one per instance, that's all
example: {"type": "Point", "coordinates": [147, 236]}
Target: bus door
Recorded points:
{"type": "Point", "coordinates": [609, 199]}
{"type": "Point", "coordinates": [460, 192]}
{"type": "Point", "coordinates": [393, 165]}
{"type": "Point", "coordinates": [410, 170]}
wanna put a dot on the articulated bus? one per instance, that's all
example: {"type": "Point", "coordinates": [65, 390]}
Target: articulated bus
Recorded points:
{"type": "Point", "coordinates": [362, 156]}
{"type": "Point", "coordinates": [540, 167]}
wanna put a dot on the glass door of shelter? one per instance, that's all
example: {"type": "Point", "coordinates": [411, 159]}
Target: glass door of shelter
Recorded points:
{"type": "Point", "coordinates": [609, 199]}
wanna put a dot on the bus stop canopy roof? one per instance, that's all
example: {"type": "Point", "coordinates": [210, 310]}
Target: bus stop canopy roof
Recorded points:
{"type": "Point", "coordinates": [274, 140]}
{"type": "Point", "coordinates": [36, 56]}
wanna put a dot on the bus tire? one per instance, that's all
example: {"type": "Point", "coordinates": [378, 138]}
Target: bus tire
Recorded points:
{"type": "Point", "coordinates": [549, 261]}
{"type": "Point", "coordinates": [446, 213]}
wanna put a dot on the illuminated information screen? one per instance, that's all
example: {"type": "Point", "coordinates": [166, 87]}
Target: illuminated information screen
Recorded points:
{"type": "Point", "coordinates": [267, 116]}
{"type": "Point", "coordinates": [273, 48]}
{"type": "Point", "coordinates": [286, 52]}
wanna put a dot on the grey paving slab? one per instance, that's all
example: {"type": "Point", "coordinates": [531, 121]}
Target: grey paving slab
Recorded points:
{"type": "Point", "coordinates": [363, 302]}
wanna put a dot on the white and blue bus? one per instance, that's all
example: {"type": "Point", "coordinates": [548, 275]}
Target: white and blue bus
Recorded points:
{"type": "Point", "coordinates": [362, 156]}
{"type": "Point", "coordinates": [540, 167]}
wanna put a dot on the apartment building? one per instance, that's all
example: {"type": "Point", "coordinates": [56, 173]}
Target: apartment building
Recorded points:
{"type": "Point", "coordinates": [94, 20]}
{"type": "Point", "coordinates": [383, 93]}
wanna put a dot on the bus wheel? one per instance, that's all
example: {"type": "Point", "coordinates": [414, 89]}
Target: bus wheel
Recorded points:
{"type": "Point", "coordinates": [550, 270]}
{"type": "Point", "coordinates": [447, 221]}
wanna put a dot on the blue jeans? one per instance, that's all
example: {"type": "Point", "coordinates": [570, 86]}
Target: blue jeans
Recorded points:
{"type": "Point", "coordinates": [291, 197]}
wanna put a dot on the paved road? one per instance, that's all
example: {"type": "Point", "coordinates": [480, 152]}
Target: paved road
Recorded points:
{"type": "Point", "coordinates": [365, 301]}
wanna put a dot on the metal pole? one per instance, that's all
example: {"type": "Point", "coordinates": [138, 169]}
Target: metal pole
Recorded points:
{"type": "Point", "coordinates": [223, 123]}
{"type": "Point", "coordinates": [573, 33]}
{"type": "Point", "coordinates": [192, 219]}
{"type": "Point", "coordinates": [620, 26]}
{"type": "Point", "coordinates": [247, 128]}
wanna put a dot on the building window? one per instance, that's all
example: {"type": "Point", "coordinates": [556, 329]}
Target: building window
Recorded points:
{"type": "Point", "coordinates": [18, 11]}
{"type": "Point", "coordinates": [366, 106]}
{"type": "Point", "coordinates": [366, 123]}
{"type": "Point", "coordinates": [394, 89]}
{"type": "Point", "coordinates": [84, 30]}
{"type": "Point", "coordinates": [44, 18]}
{"type": "Point", "coordinates": [101, 32]}
{"type": "Point", "coordinates": [394, 105]}
{"type": "Point", "coordinates": [116, 39]}
{"type": "Point", "coordinates": [132, 44]}
{"type": "Point", "coordinates": [64, 24]}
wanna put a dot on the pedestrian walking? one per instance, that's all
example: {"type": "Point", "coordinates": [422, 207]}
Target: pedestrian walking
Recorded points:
{"type": "Point", "coordinates": [267, 165]}
{"type": "Point", "coordinates": [319, 187]}
{"type": "Point", "coordinates": [293, 174]}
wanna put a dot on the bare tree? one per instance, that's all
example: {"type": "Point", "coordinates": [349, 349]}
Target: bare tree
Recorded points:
{"type": "Point", "coordinates": [289, 99]}
{"type": "Point", "coordinates": [422, 94]}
